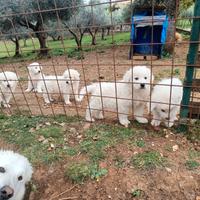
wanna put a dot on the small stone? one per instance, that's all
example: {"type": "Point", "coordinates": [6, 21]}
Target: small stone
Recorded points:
{"type": "Point", "coordinates": [62, 124]}
{"type": "Point", "coordinates": [79, 136]}
{"type": "Point", "coordinates": [48, 123]}
{"type": "Point", "coordinates": [72, 130]}
{"type": "Point", "coordinates": [166, 136]}
{"type": "Point", "coordinates": [109, 197]}
{"type": "Point", "coordinates": [152, 144]}
{"type": "Point", "coordinates": [45, 141]}
{"type": "Point", "coordinates": [168, 169]}
{"type": "Point", "coordinates": [41, 138]}
{"type": "Point", "coordinates": [115, 189]}
{"type": "Point", "coordinates": [135, 152]}
{"type": "Point", "coordinates": [175, 148]}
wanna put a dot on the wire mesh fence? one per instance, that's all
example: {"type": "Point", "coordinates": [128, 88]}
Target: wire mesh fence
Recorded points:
{"type": "Point", "coordinates": [61, 51]}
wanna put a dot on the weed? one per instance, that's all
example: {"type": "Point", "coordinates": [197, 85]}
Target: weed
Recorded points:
{"type": "Point", "coordinates": [192, 164]}
{"type": "Point", "coordinates": [119, 161]}
{"type": "Point", "coordinates": [79, 172]}
{"type": "Point", "coordinates": [148, 159]}
{"type": "Point", "coordinates": [140, 143]}
{"type": "Point", "coordinates": [136, 193]}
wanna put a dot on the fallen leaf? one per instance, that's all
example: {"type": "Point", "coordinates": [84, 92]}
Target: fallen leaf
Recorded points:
{"type": "Point", "coordinates": [31, 130]}
{"type": "Point", "coordinates": [41, 138]}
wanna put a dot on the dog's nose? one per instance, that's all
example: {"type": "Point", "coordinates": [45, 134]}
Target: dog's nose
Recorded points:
{"type": "Point", "coordinates": [8, 86]}
{"type": "Point", "coordinates": [6, 192]}
{"type": "Point", "coordinates": [39, 71]}
{"type": "Point", "coordinates": [142, 85]}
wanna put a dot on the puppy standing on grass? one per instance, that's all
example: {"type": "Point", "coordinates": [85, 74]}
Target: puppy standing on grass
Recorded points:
{"type": "Point", "coordinates": [160, 107]}
{"type": "Point", "coordinates": [8, 83]}
{"type": "Point", "coordinates": [34, 76]}
{"type": "Point", "coordinates": [15, 173]}
{"type": "Point", "coordinates": [74, 78]}
{"type": "Point", "coordinates": [132, 90]}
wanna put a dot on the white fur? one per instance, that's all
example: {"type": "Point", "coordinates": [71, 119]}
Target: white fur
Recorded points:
{"type": "Point", "coordinates": [54, 85]}
{"type": "Point", "coordinates": [15, 165]}
{"type": "Point", "coordinates": [34, 76]}
{"type": "Point", "coordinates": [8, 83]}
{"type": "Point", "coordinates": [74, 78]}
{"type": "Point", "coordinates": [103, 96]}
{"type": "Point", "coordinates": [161, 94]}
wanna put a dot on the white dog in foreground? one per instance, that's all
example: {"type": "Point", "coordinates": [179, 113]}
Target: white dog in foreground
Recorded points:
{"type": "Point", "coordinates": [160, 107]}
{"type": "Point", "coordinates": [8, 83]}
{"type": "Point", "coordinates": [54, 85]}
{"type": "Point", "coordinates": [132, 91]}
{"type": "Point", "coordinates": [15, 173]}
{"type": "Point", "coordinates": [74, 78]}
{"type": "Point", "coordinates": [34, 76]}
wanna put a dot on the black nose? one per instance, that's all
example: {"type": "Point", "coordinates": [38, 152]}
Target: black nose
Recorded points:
{"type": "Point", "coordinates": [8, 86]}
{"type": "Point", "coordinates": [142, 85]}
{"type": "Point", "coordinates": [39, 71]}
{"type": "Point", "coordinates": [6, 192]}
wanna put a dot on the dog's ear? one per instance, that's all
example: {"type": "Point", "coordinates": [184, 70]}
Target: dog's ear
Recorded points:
{"type": "Point", "coordinates": [127, 76]}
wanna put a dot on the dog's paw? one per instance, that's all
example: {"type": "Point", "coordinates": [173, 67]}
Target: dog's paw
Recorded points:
{"type": "Point", "coordinates": [89, 119]}
{"type": "Point", "coordinates": [155, 123]}
{"type": "Point", "coordinates": [68, 103]}
{"type": "Point", "coordinates": [169, 124]}
{"type": "Point", "coordinates": [6, 105]}
{"type": "Point", "coordinates": [125, 123]}
{"type": "Point", "coordinates": [28, 90]}
{"type": "Point", "coordinates": [142, 120]}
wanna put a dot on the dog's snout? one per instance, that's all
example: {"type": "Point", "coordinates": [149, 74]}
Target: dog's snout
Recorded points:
{"type": "Point", "coordinates": [6, 192]}
{"type": "Point", "coordinates": [142, 85]}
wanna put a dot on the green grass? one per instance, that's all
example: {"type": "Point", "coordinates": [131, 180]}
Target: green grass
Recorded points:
{"type": "Point", "coordinates": [192, 164]}
{"type": "Point", "coordinates": [57, 48]}
{"type": "Point", "coordinates": [148, 160]}
{"type": "Point", "coordinates": [21, 131]}
{"type": "Point", "coordinates": [80, 172]}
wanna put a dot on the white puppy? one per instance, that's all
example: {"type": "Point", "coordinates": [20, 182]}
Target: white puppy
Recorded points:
{"type": "Point", "coordinates": [160, 106]}
{"type": "Point", "coordinates": [15, 172]}
{"type": "Point", "coordinates": [34, 76]}
{"type": "Point", "coordinates": [74, 78]}
{"type": "Point", "coordinates": [8, 83]}
{"type": "Point", "coordinates": [54, 85]}
{"type": "Point", "coordinates": [131, 92]}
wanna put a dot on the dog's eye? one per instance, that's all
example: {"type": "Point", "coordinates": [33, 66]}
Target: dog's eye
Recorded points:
{"type": "Point", "coordinates": [136, 78]}
{"type": "Point", "coordinates": [2, 170]}
{"type": "Point", "coordinates": [20, 178]}
{"type": "Point", "coordinates": [145, 77]}
{"type": "Point", "coordinates": [162, 110]}
{"type": "Point", "coordinates": [67, 82]}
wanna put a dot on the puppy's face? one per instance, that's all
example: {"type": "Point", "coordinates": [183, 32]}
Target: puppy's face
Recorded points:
{"type": "Point", "coordinates": [141, 77]}
{"type": "Point", "coordinates": [35, 69]}
{"type": "Point", "coordinates": [15, 172]}
{"type": "Point", "coordinates": [164, 111]}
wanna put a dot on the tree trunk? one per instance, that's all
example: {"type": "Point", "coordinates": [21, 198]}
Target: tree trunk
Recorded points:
{"type": "Point", "coordinates": [16, 41]}
{"type": "Point", "coordinates": [108, 30]}
{"type": "Point", "coordinates": [25, 45]}
{"type": "Point", "coordinates": [42, 36]}
{"type": "Point", "coordinates": [121, 27]}
{"type": "Point", "coordinates": [103, 34]}
{"type": "Point", "coordinates": [93, 35]}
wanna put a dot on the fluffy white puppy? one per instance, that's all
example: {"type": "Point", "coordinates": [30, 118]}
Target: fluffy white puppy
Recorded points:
{"type": "Point", "coordinates": [34, 76]}
{"type": "Point", "coordinates": [54, 85]}
{"type": "Point", "coordinates": [8, 83]}
{"type": "Point", "coordinates": [15, 172]}
{"type": "Point", "coordinates": [131, 92]}
{"type": "Point", "coordinates": [74, 78]}
{"type": "Point", "coordinates": [160, 108]}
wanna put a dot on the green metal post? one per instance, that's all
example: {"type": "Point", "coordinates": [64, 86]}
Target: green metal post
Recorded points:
{"type": "Point", "coordinates": [191, 60]}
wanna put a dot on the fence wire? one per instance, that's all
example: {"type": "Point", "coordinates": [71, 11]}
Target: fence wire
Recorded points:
{"type": "Point", "coordinates": [94, 41]}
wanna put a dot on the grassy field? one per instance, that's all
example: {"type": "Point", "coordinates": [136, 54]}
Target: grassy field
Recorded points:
{"type": "Point", "coordinates": [7, 48]}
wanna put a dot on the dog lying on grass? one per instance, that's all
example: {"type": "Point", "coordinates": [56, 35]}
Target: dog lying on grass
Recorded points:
{"type": "Point", "coordinates": [132, 91]}
{"type": "Point", "coordinates": [161, 109]}
{"type": "Point", "coordinates": [15, 173]}
{"type": "Point", "coordinates": [8, 84]}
